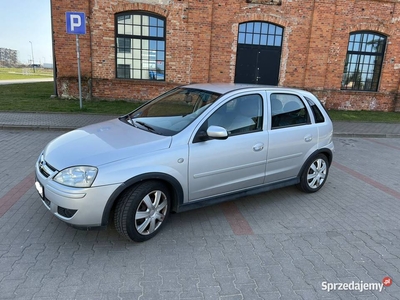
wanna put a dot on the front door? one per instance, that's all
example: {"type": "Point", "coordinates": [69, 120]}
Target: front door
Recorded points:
{"type": "Point", "coordinates": [258, 53]}
{"type": "Point", "coordinates": [223, 166]}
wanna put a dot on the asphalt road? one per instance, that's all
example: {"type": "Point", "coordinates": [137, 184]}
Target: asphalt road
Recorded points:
{"type": "Point", "coordinates": [283, 244]}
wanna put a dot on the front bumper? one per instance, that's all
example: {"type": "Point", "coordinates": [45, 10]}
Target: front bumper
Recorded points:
{"type": "Point", "coordinates": [80, 207]}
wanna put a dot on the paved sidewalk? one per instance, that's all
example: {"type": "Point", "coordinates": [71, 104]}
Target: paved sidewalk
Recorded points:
{"type": "Point", "coordinates": [53, 121]}
{"type": "Point", "coordinates": [29, 80]}
{"type": "Point", "coordinates": [364, 129]}
{"type": "Point", "coordinates": [64, 121]}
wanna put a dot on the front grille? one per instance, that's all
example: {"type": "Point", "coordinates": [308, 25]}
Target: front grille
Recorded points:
{"type": "Point", "coordinates": [43, 171]}
{"type": "Point", "coordinates": [45, 168]}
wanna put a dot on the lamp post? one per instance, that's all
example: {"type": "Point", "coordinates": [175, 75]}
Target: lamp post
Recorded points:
{"type": "Point", "coordinates": [33, 59]}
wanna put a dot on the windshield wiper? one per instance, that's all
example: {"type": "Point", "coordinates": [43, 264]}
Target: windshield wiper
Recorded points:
{"type": "Point", "coordinates": [128, 117]}
{"type": "Point", "coordinates": [145, 125]}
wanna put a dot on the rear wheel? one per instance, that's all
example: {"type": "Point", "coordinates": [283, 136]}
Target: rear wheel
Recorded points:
{"type": "Point", "coordinates": [315, 174]}
{"type": "Point", "coordinates": [142, 210]}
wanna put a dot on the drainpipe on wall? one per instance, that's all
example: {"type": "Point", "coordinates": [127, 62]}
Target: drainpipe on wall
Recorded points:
{"type": "Point", "coordinates": [89, 83]}
{"type": "Point", "coordinates": [53, 51]}
{"type": "Point", "coordinates": [211, 39]}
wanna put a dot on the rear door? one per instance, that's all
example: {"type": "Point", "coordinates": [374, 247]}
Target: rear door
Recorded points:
{"type": "Point", "coordinates": [292, 136]}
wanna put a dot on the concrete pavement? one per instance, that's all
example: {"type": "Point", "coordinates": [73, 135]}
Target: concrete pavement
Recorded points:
{"type": "Point", "coordinates": [64, 121]}
{"type": "Point", "coordinates": [282, 244]}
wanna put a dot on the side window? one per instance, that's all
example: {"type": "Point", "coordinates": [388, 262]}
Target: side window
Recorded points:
{"type": "Point", "coordinates": [318, 116]}
{"type": "Point", "coordinates": [287, 110]}
{"type": "Point", "coordinates": [240, 115]}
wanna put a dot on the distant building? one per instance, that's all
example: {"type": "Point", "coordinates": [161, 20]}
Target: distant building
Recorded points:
{"type": "Point", "coordinates": [8, 57]}
{"type": "Point", "coordinates": [47, 66]}
{"type": "Point", "coordinates": [346, 52]}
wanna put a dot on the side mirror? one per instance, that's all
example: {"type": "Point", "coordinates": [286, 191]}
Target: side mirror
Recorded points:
{"type": "Point", "coordinates": [217, 132]}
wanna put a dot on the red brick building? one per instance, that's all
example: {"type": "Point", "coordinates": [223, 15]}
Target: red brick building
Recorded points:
{"type": "Point", "coordinates": [345, 51]}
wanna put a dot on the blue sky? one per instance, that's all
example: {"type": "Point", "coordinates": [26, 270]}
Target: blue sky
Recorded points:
{"type": "Point", "coordinates": [22, 21]}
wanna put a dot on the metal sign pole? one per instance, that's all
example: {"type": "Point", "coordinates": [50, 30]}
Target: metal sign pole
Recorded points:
{"type": "Point", "coordinates": [79, 70]}
{"type": "Point", "coordinates": [76, 24]}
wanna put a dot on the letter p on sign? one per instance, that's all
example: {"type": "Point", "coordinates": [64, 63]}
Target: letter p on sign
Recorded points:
{"type": "Point", "coordinates": [76, 22]}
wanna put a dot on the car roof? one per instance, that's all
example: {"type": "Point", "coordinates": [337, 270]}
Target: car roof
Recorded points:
{"type": "Point", "coordinates": [223, 88]}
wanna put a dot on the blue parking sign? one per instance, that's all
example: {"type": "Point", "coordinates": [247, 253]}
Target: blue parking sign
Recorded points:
{"type": "Point", "coordinates": [76, 22]}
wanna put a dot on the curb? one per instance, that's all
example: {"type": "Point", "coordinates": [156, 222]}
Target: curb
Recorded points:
{"type": "Point", "coordinates": [366, 135]}
{"type": "Point", "coordinates": [38, 127]}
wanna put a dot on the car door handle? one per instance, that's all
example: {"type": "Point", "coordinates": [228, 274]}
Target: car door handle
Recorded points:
{"type": "Point", "coordinates": [258, 147]}
{"type": "Point", "coordinates": [308, 138]}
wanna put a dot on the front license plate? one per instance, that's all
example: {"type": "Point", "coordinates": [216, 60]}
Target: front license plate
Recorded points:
{"type": "Point", "coordinates": [39, 189]}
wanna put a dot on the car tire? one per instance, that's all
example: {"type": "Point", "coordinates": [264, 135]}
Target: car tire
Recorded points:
{"type": "Point", "coordinates": [142, 211]}
{"type": "Point", "coordinates": [314, 174]}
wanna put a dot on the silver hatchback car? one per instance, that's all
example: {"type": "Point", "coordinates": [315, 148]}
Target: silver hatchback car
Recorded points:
{"type": "Point", "coordinates": [195, 145]}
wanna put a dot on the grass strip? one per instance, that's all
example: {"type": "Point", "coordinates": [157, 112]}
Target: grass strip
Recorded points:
{"type": "Point", "coordinates": [36, 97]}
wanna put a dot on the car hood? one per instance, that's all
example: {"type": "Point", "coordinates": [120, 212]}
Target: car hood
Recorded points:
{"type": "Point", "coordinates": [102, 143]}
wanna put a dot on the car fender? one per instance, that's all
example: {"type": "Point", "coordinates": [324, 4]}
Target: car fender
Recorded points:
{"type": "Point", "coordinates": [328, 152]}
{"type": "Point", "coordinates": [176, 191]}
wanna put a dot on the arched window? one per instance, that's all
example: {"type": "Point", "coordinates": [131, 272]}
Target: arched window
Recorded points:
{"type": "Point", "coordinates": [362, 69]}
{"type": "Point", "coordinates": [260, 33]}
{"type": "Point", "coordinates": [140, 45]}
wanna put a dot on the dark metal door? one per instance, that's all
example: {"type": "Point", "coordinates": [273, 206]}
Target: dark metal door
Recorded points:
{"type": "Point", "coordinates": [259, 50]}
{"type": "Point", "coordinates": [258, 64]}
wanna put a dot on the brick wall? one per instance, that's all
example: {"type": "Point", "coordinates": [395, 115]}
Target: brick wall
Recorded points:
{"type": "Point", "coordinates": [201, 39]}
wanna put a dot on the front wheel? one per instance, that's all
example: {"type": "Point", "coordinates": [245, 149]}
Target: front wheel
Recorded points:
{"type": "Point", "coordinates": [314, 174]}
{"type": "Point", "coordinates": [142, 211]}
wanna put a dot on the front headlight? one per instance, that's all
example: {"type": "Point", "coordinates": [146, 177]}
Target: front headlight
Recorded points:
{"type": "Point", "coordinates": [80, 176]}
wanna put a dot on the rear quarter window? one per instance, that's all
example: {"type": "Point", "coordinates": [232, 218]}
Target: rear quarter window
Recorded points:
{"type": "Point", "coordinates": [318, 116]}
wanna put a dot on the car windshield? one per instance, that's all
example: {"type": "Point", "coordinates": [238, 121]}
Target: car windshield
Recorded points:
{"type": "Point", "coordinates": [171, 112]}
